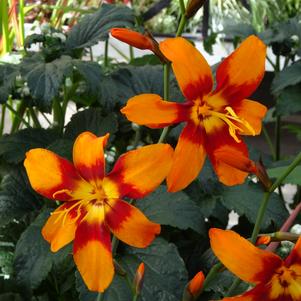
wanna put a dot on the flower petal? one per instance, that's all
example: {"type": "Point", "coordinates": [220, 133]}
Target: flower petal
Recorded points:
{"type": "Point", "coordinates": [88, 156]}
{"type": "Point", "coordinates": [243, 259]}
{"type": "Point", "coordinates": [189, 158]}
{"type": "Point", "coordinates": [53, 176]}
{"type": "Point", "coordinates": [295, 255]}
{"type": "Point", "coordinates": [190, 67]}
{"type": "Point", "coordinates": [258, 293]}
{"type": "Point", "coordinates": [92, 250]}
{"type": "Point", "coordinates": [60, 227]}
{"type": "Point", "coordinates": [139, 172]}
{"type": "Point", "coordinates": [229, 158]}
{"type": "Point", "coordinates": [253, 112]}
{"type": "Point", "coordinates": [239, 75]}
{"type": "Point", "coordinates": [129, 224]}
{"type": "Point", "coordinates": [151, 110]}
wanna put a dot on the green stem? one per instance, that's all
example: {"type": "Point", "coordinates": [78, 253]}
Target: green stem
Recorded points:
{"type": "Point", "coordinates": [212, 274]}
{"type": "Point", "coordinates": [106, 57]}
{"type": "Point", "coordinates": [269, 142]}
{"type": "Point", "coordinates": [46, 118]}
{"type": "Point", "coordinates": [21, 21]}
{"type": "Point", "coordinates": [120, 52]}
{"type": "Point", "coordinates": [262, 210]}
{"type": "Point", "coordinates": [19, 117]}
{"type": "Point", "coordinates": [58, 119]}
{"type": "Point", "coordinates": [135, 298]}
{"type": "Point", "coordinates": [34, 118]}
{"type": "Point", "coordinates": [182, 7]}
{"type": "Point", "coordinates": [4, 27]}
{"type": "Point", "coordinates": [277, 137]}
{"type": "Point", "coordinates": [3, 111]}
{"type": "Point", "coordinates": [100, 297]}
{"type": "Point", "coordinates": [181, 26]}
{"type": "Point", "coordinates": [131, 53]}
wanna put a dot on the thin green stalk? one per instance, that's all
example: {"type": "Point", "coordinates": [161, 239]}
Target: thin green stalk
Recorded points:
{"type": "Point", "coordinates": [58, 118]}
{"type": "Point", "coordinates": [106, 54]}
{"type": "Point", "coordinates": [181, 26]}
{"type": "Point", "coordinates": [182, 7]}
{"type": "Point", "coordinates": [120, 52]}
{"type": "Point", "coordinates": [46, 118]}
{"type": "Point", "coordinates": [4, 29]}
{"type": "Point", "coordinates": [34, 118]}
{"type": "Point", "coordinates": [269, 142]}
{"type": "Point", "coordinates": [262, 210]}
{"type": "Point", "coordinates": [135, 298]}
{"type": "Point", "coordinates": [91, 54]}
{"type": "Point", "coordinates": [21, 21]}
{"type": "Point", "coordinates": [131, 53]}
{"type": "Point", "coordinates": [212, 274]}
{"type": "Point", "coordinates": [3, 111]}
{"type": "Point", "coordinates": [17, 115]}
{"type": "Point", "coordinates": [100, 297]}
{"type": "Point", "coordinates": [277, 138]}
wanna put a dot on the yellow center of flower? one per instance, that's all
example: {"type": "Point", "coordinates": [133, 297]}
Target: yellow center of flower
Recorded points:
{"type": "Point", "coordinates": [286, 282]}
{"type": "Point", "coordinates": [95, 196]}
{"type": "Point", "coordinates": [202, 111]}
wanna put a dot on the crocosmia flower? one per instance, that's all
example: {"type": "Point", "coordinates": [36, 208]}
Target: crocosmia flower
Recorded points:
{"type": "Point", "coordinates": [274, 279]}
{"type": "Point", "coordinates": [215, 118]}
{"type": "Point", "coordinates": [93, 204]}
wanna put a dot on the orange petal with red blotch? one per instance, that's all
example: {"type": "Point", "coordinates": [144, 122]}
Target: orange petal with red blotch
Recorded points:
{"type": "Point", "coordinates": [239, 75]}
{"type": "Point", "coordinates": [228, 157]}
{"type": "Point", "coordinates": [295, 255]}
{"type": "Point", "coordinates": [60, 227]}
{"type": "Point", "coordinates": [189, 158]}
{"type": "Point", "coordinates": [129, 224]}
{"type": "Point", "coordinates": [139, 172]}
{"type": "Point", "coordinates": [191, 69]}
{"type": "Point", "coordinates": [132, 38]}
{"type": "Point", "coordinates": [88, 156]}
{"type": "Point", "coordinates": [151, 110]}
{"type": "Point", "coordinates": [92, 250]}
{"type": "Point", "coordinates": [243, 259]}
{"type": "Point", "coordinates": [49, 173]}
{"type": "Point", "coordinates": [253, 112]}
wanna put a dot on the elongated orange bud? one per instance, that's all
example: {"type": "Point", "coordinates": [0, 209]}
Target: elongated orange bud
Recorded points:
{"type": "Point", "coordinates": [193, 6]}
{"type": "Point", "coordinates": [194, 287]}
{"type": "Point", "coordinates": [133, 38]}
{"type": "Point", "coordinates": [138, 280]}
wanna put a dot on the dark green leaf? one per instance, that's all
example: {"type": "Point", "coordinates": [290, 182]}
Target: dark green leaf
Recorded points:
{"type": "Point", "coordinates": [289, 101]}
{"type": "Point", "coordinates": [62, 147]}
{"type": "Point", "coordinates": [165, 272]}
{"type": "Point", "coordinates": [13, 147]}
{"type": "Point", "coordinates": [33, 258]}
{"type": "Point", "coordinates": [118, 290]}
{"type": "Point", "coordinates": [92, 75]}
{"type": "Point", "coordinates": [16, 197]}
{"type": "Point", "coordinates": [245, 200]}
{"type": "Point", "coordinates": [93, 120]}
{"type": "Point", "coordinates": [293, 178]}
{"type": "Point", "coordinates": [173, 209]}
{"type": "Point", "coordinates": [287, 77]}
{"type": "Point", "coordinates": [95, 27]}
{"type": "Point", "coordinates": [45, 79]}
{"type": "Point", "coordinates": [149, 59]}
{"type": "Point", "coordinates": [8, 74]}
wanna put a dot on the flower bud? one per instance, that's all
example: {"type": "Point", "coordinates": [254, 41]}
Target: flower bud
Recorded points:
{"type": "Point", "coordinates": [133, 38]}
{"type": "Point", "coordinates": [263, 240]}
{"type": "Point", "coordinates": [192, 7]}
{"type": "Point", "coordinates": [138, 280]}
{"type": "Point", "coordinates": [194, 287]}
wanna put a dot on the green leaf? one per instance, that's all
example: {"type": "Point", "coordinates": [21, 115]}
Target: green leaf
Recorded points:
{"type": "Point", "coordinates": [293, 178]}
{"type": "Point", "coordinates": [148, 59]}
{"type": "Point", "coordinates": [165, 272]}
{"type": "Point", "coordinates": [118, 290]}
{"type": "Point", "coordinates": [164, 280]}
{"type": "Point", "coordinates": [93, 120]}
{"type": "Point", "coordinates": [245, 200]}
{"type": "Point", "coordinates": [95, 27]}
{"type": "Point", "coordinates": [33, 258]}
{"type": "Point", "coordinates": [45, 79]}
{"type": "Point", "coordinates": [16, 197]}
{"type": "Point", "coordinates": [173, 209]}
{"type": "Point", "coordinates": [92, 75]}
{"type": "Point", "coordinates": [241, 30]}
{"type": "Point", "coordinates": [14, 146]}
{"type": "Point", "coordinates": [288, 101]}
{"type": "Point", "coordinates": [8, 74]}
{"type": "Point", "coordinates": [288, 77]}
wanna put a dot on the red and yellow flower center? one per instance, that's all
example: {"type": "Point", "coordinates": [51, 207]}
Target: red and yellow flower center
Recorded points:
{"type": "Point", "coordinates": [215, 116]}
{"type": "Point", "coordinates": [95, 196]}
{"type": "Point", "coordinates": [286, 282]}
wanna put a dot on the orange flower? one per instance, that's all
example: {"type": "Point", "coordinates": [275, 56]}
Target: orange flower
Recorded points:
{"type": "Point", "coordinates": [133, 38]}
{"type": "Point", "coordinates": [93, 201]}
{"type": "Point", "coordinates": [215, 119]}
{"type": "Point", "coordinates": [195, 285]}
{"type": "Point", "coordinates": [274, 279]}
